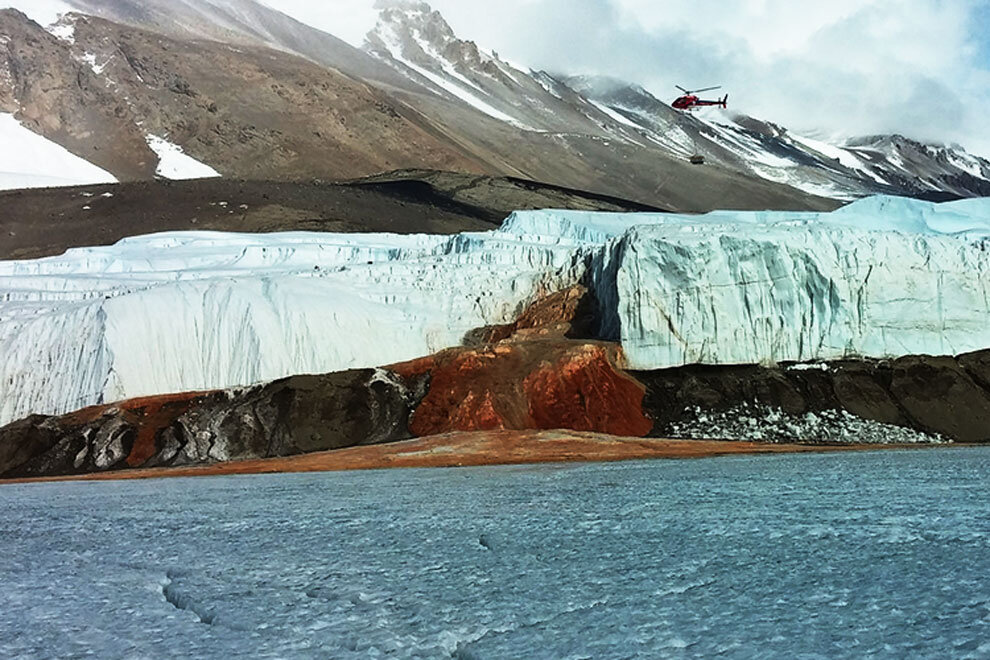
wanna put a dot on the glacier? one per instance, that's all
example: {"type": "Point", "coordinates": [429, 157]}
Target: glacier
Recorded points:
{"type": "Point", "coordinates": [190, 311]}
{"type": "Point", "coordinates": [185, 311]}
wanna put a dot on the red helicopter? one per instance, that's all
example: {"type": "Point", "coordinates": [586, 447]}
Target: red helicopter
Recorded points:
{"type": "Point", "coordinates": [690, 100]}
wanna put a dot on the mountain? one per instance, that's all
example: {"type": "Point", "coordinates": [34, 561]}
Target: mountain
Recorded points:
{"type": "Point", "coordinates": [250, 111]}
{"type": "Point", "coordinates": [107, 92]}
{"type": "Point", "coordinates": [236, 88]}
{"type": "Point", "coordinates": [418, 43]}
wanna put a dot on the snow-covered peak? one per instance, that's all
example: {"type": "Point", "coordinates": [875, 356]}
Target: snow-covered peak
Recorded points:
{"type": "Point", "coordinates": [418, 41]}
{"type": "Point", "coordinates": [413, 29]}
{"type": "Point", "coordinates": [413, 32]}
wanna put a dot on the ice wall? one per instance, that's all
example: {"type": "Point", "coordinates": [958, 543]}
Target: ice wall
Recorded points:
{"type": "Point", "coordinates": [192, 311]}
{"type": "Point", "coordinates": [882, 277]}
{"type": "Point", "coordinates": [189, 311]}
{"type": "Point", "coordinates": [724, 295]}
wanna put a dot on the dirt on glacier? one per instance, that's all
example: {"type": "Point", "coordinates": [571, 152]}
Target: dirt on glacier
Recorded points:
{"type": "Point", "coordinates": [476, 448]}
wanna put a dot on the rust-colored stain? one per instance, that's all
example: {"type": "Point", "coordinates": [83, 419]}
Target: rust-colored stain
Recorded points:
{"type": "Point", "coordinates": [541, 383]}
{"type": "Point", "coordinates": [530, 375]}
{"type": "Point", "coordinates": [152, 416]}
{"type": "Point", "coordinates": [476, 449]}
{"type": "Point", "coordinates": [584, 391]}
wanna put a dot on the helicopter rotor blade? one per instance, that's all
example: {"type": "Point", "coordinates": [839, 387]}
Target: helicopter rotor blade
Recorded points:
{"type": "Point", "coordinates": [682, 89]}
{"type": "Point", "coordinates": [706, 89]}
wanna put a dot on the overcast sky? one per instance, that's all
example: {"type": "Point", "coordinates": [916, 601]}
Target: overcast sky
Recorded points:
{"type": "Point", "coordinates": [918, 67]}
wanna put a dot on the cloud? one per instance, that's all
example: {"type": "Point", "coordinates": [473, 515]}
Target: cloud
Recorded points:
{"type": "Point", "coordinates": [846, 67]}
{"type": "Point", "coordinates": [349, 20]}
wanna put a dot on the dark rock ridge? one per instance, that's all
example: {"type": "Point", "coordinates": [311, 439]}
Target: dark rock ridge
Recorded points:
{"type": "Point", "coordinates": [942, 396]}
{"type": "Point", "coordinates": [293, 416]}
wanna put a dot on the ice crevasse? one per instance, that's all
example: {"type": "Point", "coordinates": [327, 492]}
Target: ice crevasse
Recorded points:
{"type": "Point", "coordinates": [882, 277]}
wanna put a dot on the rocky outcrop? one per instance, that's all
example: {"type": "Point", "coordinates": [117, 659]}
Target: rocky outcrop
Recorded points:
{"type": "Point", "coordinates": [938, 396]}
{"type": "Point", "coordinates": [292, 416]}
{"type": "Point", "coordinates": [564, 314]}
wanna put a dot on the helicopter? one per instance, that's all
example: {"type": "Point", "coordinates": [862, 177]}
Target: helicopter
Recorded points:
{"type": "Point", "coordinates": [691, 101]}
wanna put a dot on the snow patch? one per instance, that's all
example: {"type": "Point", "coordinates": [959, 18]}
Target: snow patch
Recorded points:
{"type": "Point", "coordinates": [809, 366]}
{"type": "Point", "coordinates": [176, 164]}
{"type": "Point", "coordinates": [96, 67]}
{"type": "Point", "coordinates": [845, 158]}
{"type": "Point", "coordinates": [616, 115]}
{"type": "Point", "coordinates": [967, 163]}
{"type": "Point", "coordinates": [29, 160]}
{"type": "Point", "coordinates": [63, 30]}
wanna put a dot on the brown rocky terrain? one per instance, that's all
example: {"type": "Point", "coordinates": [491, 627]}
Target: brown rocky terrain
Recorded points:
{"type": "Point", "coordinates": [252, 110]}
{"type": "Point", "coordinates": [256, 94]}
{"type": "Point", "coordinates": [291, 416]}
{"type": "Point", "coordinates": [249, 112]}
{"type": "Point", "coordinates": [38, 223]}
{"type": "Point", "coordinates": [541, 373]}
{"type": "Point", "coordinates": [61, 98]}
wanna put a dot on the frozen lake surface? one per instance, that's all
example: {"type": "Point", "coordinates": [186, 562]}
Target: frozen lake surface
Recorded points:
{"type": "Point", "coordinates": [882, 554]}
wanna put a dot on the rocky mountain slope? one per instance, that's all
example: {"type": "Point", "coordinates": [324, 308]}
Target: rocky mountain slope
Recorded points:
{"type": "Point", "coordinates": [105, 90]}
{"type": "Point", "coordinates": [472, 96]}
{"type": "Point", "coordinates": [254, 94]}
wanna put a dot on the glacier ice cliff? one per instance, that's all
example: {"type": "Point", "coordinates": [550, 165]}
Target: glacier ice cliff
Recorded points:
{"type": "Point", "coordinates": [883, 277]}
{"type": "Point", "coordinates": [194, 311]}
